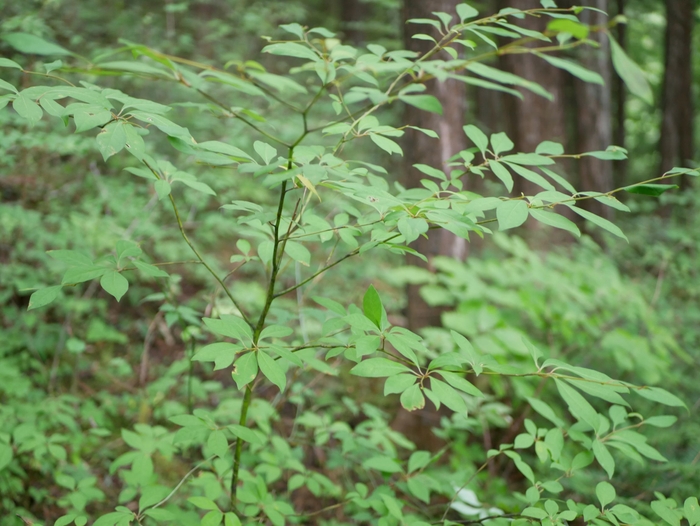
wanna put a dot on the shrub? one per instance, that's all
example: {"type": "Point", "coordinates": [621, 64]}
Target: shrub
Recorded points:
{"type": "Point", "coordinates": [298, 435]}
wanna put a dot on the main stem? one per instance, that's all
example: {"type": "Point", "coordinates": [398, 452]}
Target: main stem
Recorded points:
{"type": "Point", "coordinates": [276, 263]}
{"type": "Point", "coordinates": [277, 252]}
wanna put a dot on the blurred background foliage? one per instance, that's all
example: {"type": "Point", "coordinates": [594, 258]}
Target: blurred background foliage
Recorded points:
{"type": "Point", "coordinates": [632, 310]}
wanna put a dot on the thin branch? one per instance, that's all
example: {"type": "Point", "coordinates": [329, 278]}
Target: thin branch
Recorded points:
{"type": "Point", "coordinates": [242, 119]}
{"type": "Point", "coordinates": [196, 252]}
{"type": "Point", "coordinates": [317, 273]}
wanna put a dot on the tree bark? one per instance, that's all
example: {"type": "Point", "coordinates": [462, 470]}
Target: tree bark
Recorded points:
{"type": "Point", "coordinates": [533, 118]}
{"type": "Point", "coordinates": [352, 13]}
{"type": "Point", "coordinates": [620, 98]}
{"type": "Point", "coordinates": [676, 143]}
{"type": "Point", "coordinates": [594, 111]}
{"type": "Point", "coordinates": [419, 148]}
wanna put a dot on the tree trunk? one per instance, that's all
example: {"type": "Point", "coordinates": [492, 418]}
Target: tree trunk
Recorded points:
{"type": "Point", "coordinates": [620, 98]}
{"type": "Point", "coordinates": [533, 118]}
{"type": "Point", "coordinates": [594, 111]}
{"type": "Point", "coordinates": [352, 13]}
{"type": "Point", "coordinates": [419, 148]}
{"type": "Point", "coordinates": [676, 144]}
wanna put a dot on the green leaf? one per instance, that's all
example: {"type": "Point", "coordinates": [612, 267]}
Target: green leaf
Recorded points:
{"type": "Point", "coordinates": [531, 176]}
{"type": "Point", "coordinates": [612, 202]}
{"type": "Point", "coordinates": [601, 391]}
{"type": "Point", "coordinates": [52, 66]}
{"type": "Point", "coordinates": [661, 396]}
{"type": "Point", "coordinates": [134, 143]}
{"type": "Point", "coordinates": [692, 510]}
{"type": "Point", "coordinates": [525, 469]}
{"type": "Point", "coordinates": [203, 503]}
{"type": "Point", "coordinates": [150, 270]}
{"type": "Point", "coordinates": [579, 407]}
{"type": "Point", "coordinates": [5, 455]}
{"type": "Point", "coordinates": [245, 369]}
{"type": "Point", "coordinates": [7, 63]}
{"type": "Point", "coordinates": [382, 463]}
{"type": "Point", "coordinates": [535, 353]}
{"type": "Point", "coordinates": [448, 396]}
{"type": "Point", "coordinates": [511, 214]}
{"type": "Point", "coordinates": [291, 49]}
{"type": "Point", "coordinates": [271, 369]}
{"type": "Point", "coordinates": [163, 188]}
{"type": "Point", "coordinates": [528, 159]}
{"type": "Point", "coordinates": [131, 66]}
{"type": "Point", "coordinates": [222, 353]}
{"type": "Point", "coordinates": [372, 306]}
{"type": "Point", "coordinates": [294, 29]}
{"type": "Point", "coordinates": [625, 514]}
{"type": "Point", "coordinates": [501, 143]}
{"type": "Point", "coordinates": [576, 70]}
{"type": "Point", "coordinates": [218, 443]}
{"type": "Point", "coordinates": [275, 331]}
{"type": "Point", "coordinates": [28, 109]}
{"type": "Point", "coordinates": [465, 12]}
{"type": "Point", "coordinates": [496, 75]}
{"type": "Point", "coordinates": [558, 179]}
{"type": "Point", "coordinates": [266, 152]}
{"type": "Point", "coordinates": [665, 513]}
{"type": "Point", "coordinates": [247, 434]}
{"type": "Point", "coordinates": [565, 25]}
{"type": "Point", "coordinates": [456, 381]}
{"type": "Point", "coordinates": [468, 351]}
{"type": "Point", "coordinates": [555, 220]}
{"type": "Point", "coordinates": [399, 383]}
{"type": "Point", "coordinates": [288, 355]}
{"type": "Point", "coordinates": [423, 102]}
{"type": "Point", "coordinates": [523, 441]}
{"type": "Point", "coordinates": [385, 144]}
{"type": "Point", "coordinates": [661, 421]}
{"type": "Point", "coordinates": [601, 222]}
{"type": "Point", "coordinates": [429, 170]}
{"type": "Point", "coordinates": [378, 368]}
{"type": "Point", "coordinates": [66, 519]}
{"type": "Point", "coordinates": [418, 460]}
{"type": "Point", "coordinates": [81, 274]}
{"type": "Point", "coordinates": [604, 458]}
{"type": "Point", "coordinates": [33, 45]}
{"type": "Point", "coordinates": [127, 248]}
{"type": "Point", "coordinates": [502, 173]}
{"type": "Point", "coordinates": [114, 283]}
{"type": "Point", "coordinates": [403, 343]}
{"type": "Point", "coordinates": [330, 304]}
{"type": "Point", "coordinates": [412, 227]}
{"type": "Point", "coordinates": [477, 137]}
{"type": "Point", "coordinates": [165, 125]}
{"type": "Point", "coordinates": [116, 518]}
{"type": "Point", "coordinates": [535, 513]}
{"type": "Point", "coordinates": [232, 327]}
{"type": "Point", "coordinates": [630, 73]}
{"type": "Point", "coordinates": [43, 297]}
{"type": "Point", "coordinates": [605, 493]}
{"type": "Point", "coordinates": [225, 149]}
{"type": "Point", "coordinates": [231, 519]}
{"type": "Point", "coordinates": [9, 87]}
{"type": "Point", "coordinates": [88, 116]}
{"type": "Point", "coordinates": [650, 189]}
{"type": "Point", "coordinates": [412, 398]}
{"type": "Point", "coordinates": [111, 139]}
{"type": "Point", "coordinates": [613, 153]}
{"type": "Point", "coordinates": [191, 181]}
{"type": "Point", "coordinates": [549, 148]}
{"type": "Point", "coordinates": [298, 252]}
